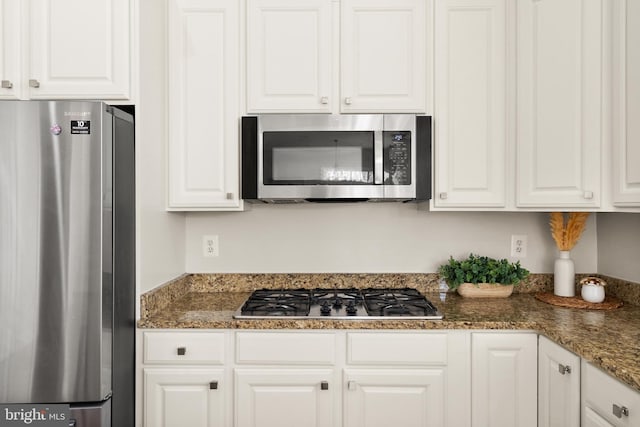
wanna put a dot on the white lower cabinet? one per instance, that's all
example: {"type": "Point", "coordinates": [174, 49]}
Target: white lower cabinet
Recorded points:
{"type": "Point", "coordinates": [394, 397]}
{"type": "Point", "coordinates": [606, 401]}
{"type": "Point", "coordinates": [284, 397]}
{"type": "Point", "coordinates": [558, 386]}
{"type": "Point", "coordinates": [184, 380]}
{"type": "Point", "coordinates": [409, 378]}
{"type": "Point", "coordinates": [178, 397]}
{"type": "Point", "coordinates": [504, 379]}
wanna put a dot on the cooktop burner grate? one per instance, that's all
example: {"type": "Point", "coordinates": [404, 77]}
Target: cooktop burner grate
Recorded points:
{"type": "Point", "coordinates": [349, 303]}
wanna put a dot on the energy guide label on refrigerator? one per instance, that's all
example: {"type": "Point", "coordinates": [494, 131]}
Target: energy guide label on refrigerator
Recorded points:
{"type": "Point", "coordinates": [81, 127]}
{"type": "Point", "coordinates": [34, 415]}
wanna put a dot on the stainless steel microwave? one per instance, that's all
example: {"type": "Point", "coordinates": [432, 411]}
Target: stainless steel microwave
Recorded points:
{"type": "Point", "coordinates": [336, 158]}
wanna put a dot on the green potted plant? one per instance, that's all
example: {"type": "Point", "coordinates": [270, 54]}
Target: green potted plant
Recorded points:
{"type": "Point", "coordinates": [482, 277]}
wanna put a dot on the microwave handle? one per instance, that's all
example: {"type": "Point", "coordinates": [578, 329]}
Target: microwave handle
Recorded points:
{"type": "Point", "coordinates": [378, 152]}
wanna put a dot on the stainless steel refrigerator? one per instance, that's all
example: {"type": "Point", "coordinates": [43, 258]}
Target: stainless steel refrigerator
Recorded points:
{"type": "Point", "coordinates": [67, 263]}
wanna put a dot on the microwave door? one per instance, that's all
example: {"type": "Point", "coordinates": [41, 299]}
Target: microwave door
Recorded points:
{"type": "Point", "coordinates": [304, 164]}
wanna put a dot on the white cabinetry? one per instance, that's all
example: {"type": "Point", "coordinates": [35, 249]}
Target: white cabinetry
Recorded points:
{"type": "Point", "coordinates": [203, 60]}
{"type": "Point", "coordinates": [178, 397]}
{"type": "Point", "coordinates": [407, 378]}
{"type": "Point", "coordinates": [289, 56]}
{"type": "Point", "coordinates": [384, 55]}
{"type": "Point", "coordinates": [559, 102]}
{"type": "Point", "coordinates": [504, 379]}
{"type": "Point", "coordinates": [558, 386]}
{"type": "Point", "coordinates": [294, 56]}
{"type": "Point", "coordinates": [180, 385]}
{"type": "Point", "coordinates": [288, 373]}
{"type": "Point", "coordinates": [388, 397]}
{"type": "Point", "coordinates": [471, 103]}
{"type": "Point", "coordinates": [10, 48]}
{"type": "Point", "coordinates": [606, 401]}
{"type": "Point", "coordinates": [626, 104]}
{"type": "Point", "coordinates": [65, 49]}
{"type": "Point", "coordinates": [284, 397]}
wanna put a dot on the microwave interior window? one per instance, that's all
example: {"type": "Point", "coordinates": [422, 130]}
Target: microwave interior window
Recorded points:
{"type": "Point", "coordinates": [318, 158]}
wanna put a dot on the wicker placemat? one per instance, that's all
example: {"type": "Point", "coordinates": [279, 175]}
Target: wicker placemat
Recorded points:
{"type": "Point", "coordinates": [609, 302]}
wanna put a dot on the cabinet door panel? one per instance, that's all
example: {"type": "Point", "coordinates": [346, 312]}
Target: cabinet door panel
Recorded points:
{"type": "Point", "coordinates": [592, 419]}
{"type": "Point", "coordinates": [560, 117]}
{"type": "Point", "coordinates": [284, 398]}
{"type": "Point", "coordinates": [626, 126]}
{"type": "Point", "coordinates": [10, 48]}
{"type": "Point", "coordinates": [289, 56]}
{"type": "Point", "coordinates": [408, 398]}
{"type": "Point", "coordinates": [80, 48]}
{"type": "Point", "coordinates": [504, 380]}
{"type": "Point", "coordinates": [471, 93]}
{"type": "Point", "coordinates": [203, 105]}
{"type": "Point", "coordinates": [558, 393]}
{"type": "Point", "coordinates": [383, 56]}
{"type": "Point", "coordinates": [183, 397]}
{"type": "Point", "coordinates": [601, 393]}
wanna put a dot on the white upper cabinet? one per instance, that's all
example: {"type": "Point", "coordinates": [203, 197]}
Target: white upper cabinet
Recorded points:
{"type": "Point", "coordinates": [289, 56]}
{"type": "Point", "coordinates": [65, 49]}
{"type": "Point", "coordinates": [10, 48]}
{"type": "Point", "coordinates": [626, 104]}
{"type": "Point", "coordinates": [384, 50]}
{"type": "Point", "coordinates": [203, 66]}
{"type": "Point", "coordinates": [470, 95]}
{"type": "Point", "coordinates": [323, 56]}
{"type": "Point", "coordinates": [559, 102]}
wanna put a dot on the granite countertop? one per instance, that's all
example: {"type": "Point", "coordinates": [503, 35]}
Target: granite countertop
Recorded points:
{"type": "Point", "coordinates": [610, 339]}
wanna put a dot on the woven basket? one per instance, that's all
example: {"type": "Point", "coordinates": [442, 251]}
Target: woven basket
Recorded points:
{"type": "Point", "coordinates": [484, 290]}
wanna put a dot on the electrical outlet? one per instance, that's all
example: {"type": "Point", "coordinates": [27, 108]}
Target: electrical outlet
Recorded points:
{"type": "Point", "coordinates": [519, 246]}
{"type": "Point", "coordinates": [210, 247]}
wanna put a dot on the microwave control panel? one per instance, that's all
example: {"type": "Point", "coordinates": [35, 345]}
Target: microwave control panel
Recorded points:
{"type": "Point", "coordinates": [397, 157]}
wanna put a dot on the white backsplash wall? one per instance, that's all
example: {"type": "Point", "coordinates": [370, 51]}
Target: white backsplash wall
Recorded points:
{"type": "Point", "coordinates": [369, 237]}
{"type": "Point", "coordinates": [619, 245]}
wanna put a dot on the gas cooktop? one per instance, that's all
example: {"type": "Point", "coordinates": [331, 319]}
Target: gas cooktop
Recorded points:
{"type": "Point", "coordinates": [370, 303]}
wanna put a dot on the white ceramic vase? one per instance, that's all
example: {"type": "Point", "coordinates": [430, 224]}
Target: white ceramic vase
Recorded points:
{"type": "Point", "coordinates": [564, 274]}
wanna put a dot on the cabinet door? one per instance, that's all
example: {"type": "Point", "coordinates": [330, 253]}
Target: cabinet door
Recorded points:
{"type": "Point", "coordinates": [504, 379]}
{"type": "Point", "coordinates": [284, 397]}
{"type": "Point", "coordinates": [592, 419]}
{"type": "Point", "coordinates": [203, 62]}
{"type": "Point", "coordinates": [289, 56]}
{"type": "Point", "coordinates": [79, 49]}
{"type": "Point", "coordinates": [184, 397]}
{"type": "Point", "coordinates": [384, 55]}
{"type": "Point", "coordinates": [560, 109]}
{"type": "Point", "coordinates": [626, 104]}
{"type": "Point", "coordinates": [471, 92]}
{"type": "Point", "coordinates": [394, 397]}
{"type": "Point", "coordinates": [607, 400]}
{"type": "Point", "coordinates": [10, 48]}
{"type": "Point", "coordinates": [558, 386]}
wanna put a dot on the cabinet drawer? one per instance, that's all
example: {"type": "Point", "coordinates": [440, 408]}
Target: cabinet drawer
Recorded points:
{"type": "Point", "coordinates": [600, 392]}
{"type": "Point", "coordinates": [285, 348]}
{"type": "Point", "coordinates": [397, 348]}
{"type": "Point", "coordinates": [184, 347]}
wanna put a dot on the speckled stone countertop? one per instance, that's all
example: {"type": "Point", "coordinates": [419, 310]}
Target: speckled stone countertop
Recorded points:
{"type": "Point", "coordinates": [608, 339]}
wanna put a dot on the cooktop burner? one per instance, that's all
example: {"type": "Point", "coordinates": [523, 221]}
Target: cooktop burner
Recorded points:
{"type": "Point", "coordinates": [351, 303]}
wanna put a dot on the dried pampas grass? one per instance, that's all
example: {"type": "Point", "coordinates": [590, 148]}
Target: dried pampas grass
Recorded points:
{"type": "Point", "coordinates": [566, 234]}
